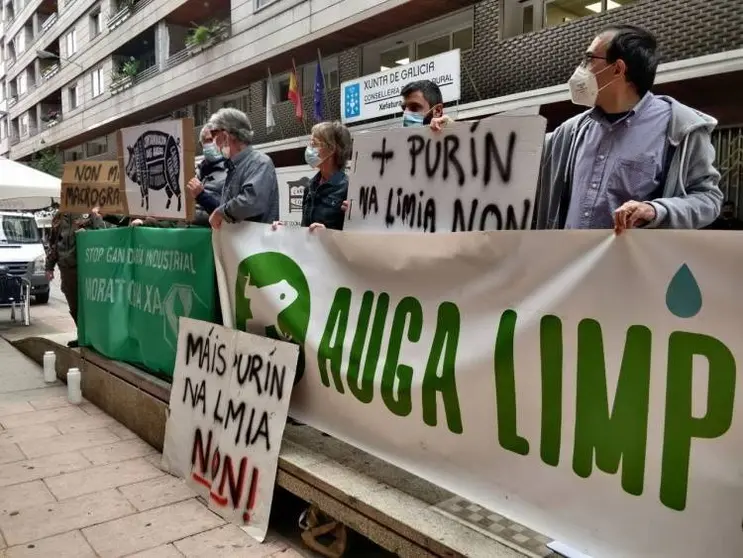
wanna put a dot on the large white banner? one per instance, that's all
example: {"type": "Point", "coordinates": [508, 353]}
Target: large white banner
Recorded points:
{"type": "Point", "coordinates": [472, 176]}
{"type": "Point", "coordinates": [228, 408]}
{"type": "Point", "coordinates": [576, 382]}
{"type": "Point", "coordinates": [378, 94]}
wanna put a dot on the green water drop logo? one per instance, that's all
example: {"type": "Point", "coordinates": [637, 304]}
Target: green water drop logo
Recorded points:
{"type": "Point", "coordinates": [683, 296]}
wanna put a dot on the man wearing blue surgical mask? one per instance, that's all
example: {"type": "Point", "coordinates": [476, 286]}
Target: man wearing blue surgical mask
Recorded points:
{"type": "Point", "coordinates": [206, 187]}
{"type": "Point", "coordinates": [423, 105]}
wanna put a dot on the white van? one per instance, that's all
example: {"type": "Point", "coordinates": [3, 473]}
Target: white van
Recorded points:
{"type": "Point", "coordinates": [22, 251]}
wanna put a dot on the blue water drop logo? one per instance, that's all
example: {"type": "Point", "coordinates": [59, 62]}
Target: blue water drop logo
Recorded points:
{"type": "Point", "coordinates": [683, 296]}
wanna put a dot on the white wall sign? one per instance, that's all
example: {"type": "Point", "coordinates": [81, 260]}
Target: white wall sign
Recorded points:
{"type": "Point", "coordinates": [580, 383]}
{"type": "Point", "coordinates": [158, 159]}
{"type": "Point", "coordinates": [228, 408]}
{"type": "Point", "coordinates": [379, 94]}
{"type": "Point", "coordinates": [292, 182]}
{"type": "Point", "coordinates": [472, 176]}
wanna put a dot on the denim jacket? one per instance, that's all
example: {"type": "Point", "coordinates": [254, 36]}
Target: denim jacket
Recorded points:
{"type": "Point", "coordinates": [322, 201]}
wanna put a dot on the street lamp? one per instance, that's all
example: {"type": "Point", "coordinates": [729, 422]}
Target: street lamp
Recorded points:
{"type": "Point", "coordinates": [46, 55]}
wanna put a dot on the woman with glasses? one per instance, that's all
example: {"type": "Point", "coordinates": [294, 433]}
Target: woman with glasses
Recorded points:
{"type": "Point", "coordinates": [328, 152]}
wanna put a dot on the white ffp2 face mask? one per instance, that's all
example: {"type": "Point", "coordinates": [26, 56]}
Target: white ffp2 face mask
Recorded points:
{"type": "Point", "coordinates": [584, 87]}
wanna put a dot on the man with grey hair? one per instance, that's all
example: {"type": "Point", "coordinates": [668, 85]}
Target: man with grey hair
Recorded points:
{"type": "Point", "coordinates": [251, 190]}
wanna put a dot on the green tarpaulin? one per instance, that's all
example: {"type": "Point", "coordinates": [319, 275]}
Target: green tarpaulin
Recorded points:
{"type": "Point", "coordinates": [133, 285]}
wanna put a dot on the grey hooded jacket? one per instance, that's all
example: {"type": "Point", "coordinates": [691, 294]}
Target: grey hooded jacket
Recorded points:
{"type": "Point", "coordinates": [691, 197]}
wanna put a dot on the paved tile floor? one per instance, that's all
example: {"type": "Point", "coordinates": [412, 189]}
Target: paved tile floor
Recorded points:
{"type": "Point", "coordinates": [74, 483]}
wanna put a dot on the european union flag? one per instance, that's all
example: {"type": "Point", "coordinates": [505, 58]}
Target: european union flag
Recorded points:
{"type": "Point", "coordinates": [319, 93]}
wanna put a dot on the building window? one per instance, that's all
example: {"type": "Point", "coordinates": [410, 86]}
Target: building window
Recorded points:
{"type": "Point", "coordinates": [22, 84]}
{"type": "Point", "coordinates": [398, 56]}
{"type": "Point", "coordinates": [24, 124]}
{"type": "Point", "coordinates": [260, 4]}
{"type": "Point", "coordinates": [424, 48]}
{"type": "Point", "coordinates": [71, 43]}
{"type": "Point", "coordinates": [461, 39]}
{"type": "Point", "coordinates": [280, 87]}
{"type": "Point", "coordinates": [525, 16]}
{"type": "Point", "coordinates": [3, 129]}
{"type": "Point", "coordinates": [20, 41]}
{"type": "Point", "coordinates": [74, 99]}
{"type": "Point", "coordinates": [96, 78]}
{"type": "Point", "coordinates": [96, 22]}
{"type": "Point", "coordinates": [201, 113]}
{"type": "Point", "coordinates": [433, 47]}
{"type": "Point", "coordinates": [330, 75]}
{"type": "Point", "coordinates": [96, 147]}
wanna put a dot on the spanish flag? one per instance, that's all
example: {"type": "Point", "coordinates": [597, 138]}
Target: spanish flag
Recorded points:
{"type": "Point", "coordinates": [295, 96]}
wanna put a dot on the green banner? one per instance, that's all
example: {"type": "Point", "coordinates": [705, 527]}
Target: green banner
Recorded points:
{"type": "Point", "coordinates": [133, 285]}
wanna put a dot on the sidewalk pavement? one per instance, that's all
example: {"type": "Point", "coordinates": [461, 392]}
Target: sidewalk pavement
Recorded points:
{"type": "Point", "coordinates": [74, 483]}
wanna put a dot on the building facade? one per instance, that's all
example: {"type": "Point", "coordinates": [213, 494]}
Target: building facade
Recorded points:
{"type": "Point", "coordinates": [75, 71]}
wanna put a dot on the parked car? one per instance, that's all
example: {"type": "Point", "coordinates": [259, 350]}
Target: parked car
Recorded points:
{"type": "Point", "coordinates": [22, 251]}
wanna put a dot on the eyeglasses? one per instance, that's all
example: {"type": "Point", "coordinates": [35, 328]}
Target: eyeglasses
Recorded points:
{"type": "Point", "coordinates": [588, 57]}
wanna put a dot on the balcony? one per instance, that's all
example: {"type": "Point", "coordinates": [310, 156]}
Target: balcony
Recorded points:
{"type": "Point", "coordinates": [48, 71]}
{"type": "Point", "coordinates": [50, 110]}
{"type": "Point", "coordinates": [196, 27]}
{"type": "Point", "coordinates": [126, 8]}
{"type": "Point", "coordinates": [15, 138]}
{"type": "Point", "coordinates": [134, 62]}
{"type": "Point", "coordinates": [48, 16]}
{"type": "Point", "coordinates": [147, 13]}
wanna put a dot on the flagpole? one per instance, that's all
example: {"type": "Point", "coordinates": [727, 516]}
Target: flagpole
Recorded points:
{"type": "Point", "coordinates": [273, 94]}
{"type": "Point", "coordinates": [324, 86]}
{"type": "Point", "coordinates": [299, 91]}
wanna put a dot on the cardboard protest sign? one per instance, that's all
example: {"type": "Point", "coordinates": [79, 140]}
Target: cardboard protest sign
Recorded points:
{"type": "Point", "coordinates": [157, 160]}
{"type": "Point", "coordinates": [228, 408]}
{"type": "Point", "coordinates": [87, 184]}
{"type": "Point", "coordinates": [472, 176]}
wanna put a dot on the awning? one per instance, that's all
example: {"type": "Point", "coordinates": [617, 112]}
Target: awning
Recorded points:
{"type": "Point", "coordinates": [23, 188]}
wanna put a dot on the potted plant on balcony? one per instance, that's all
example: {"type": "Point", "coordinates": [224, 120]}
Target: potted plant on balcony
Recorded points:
{"type": "Point", "coordinates": [51, 118]}
{"type": "Point", "coordinates": [123, 78]}
{"type": "Point", "coordinates": [202, 37]}
{"type": "Point", "coordinates": [124, 11]}
{"type": "Point", "coordinates": [50, 70]}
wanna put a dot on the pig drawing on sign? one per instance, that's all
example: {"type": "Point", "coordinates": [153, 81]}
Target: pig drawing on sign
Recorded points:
{"type": "Point", "coordinates": [266, 304]}
{"type": "Point", "coordinates": [155, 164]}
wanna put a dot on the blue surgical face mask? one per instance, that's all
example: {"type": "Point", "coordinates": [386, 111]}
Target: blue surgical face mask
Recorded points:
{"type": "Point", "coordinates": [412, 119]}
{"type": "Point", "coordinates": [312, 156]}
{"type": "Point", "coordinates": [211, 152]}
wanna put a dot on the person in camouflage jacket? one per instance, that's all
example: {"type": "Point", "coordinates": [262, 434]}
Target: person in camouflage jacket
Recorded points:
{"type": "Point", "coordinates": [61, 251]}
